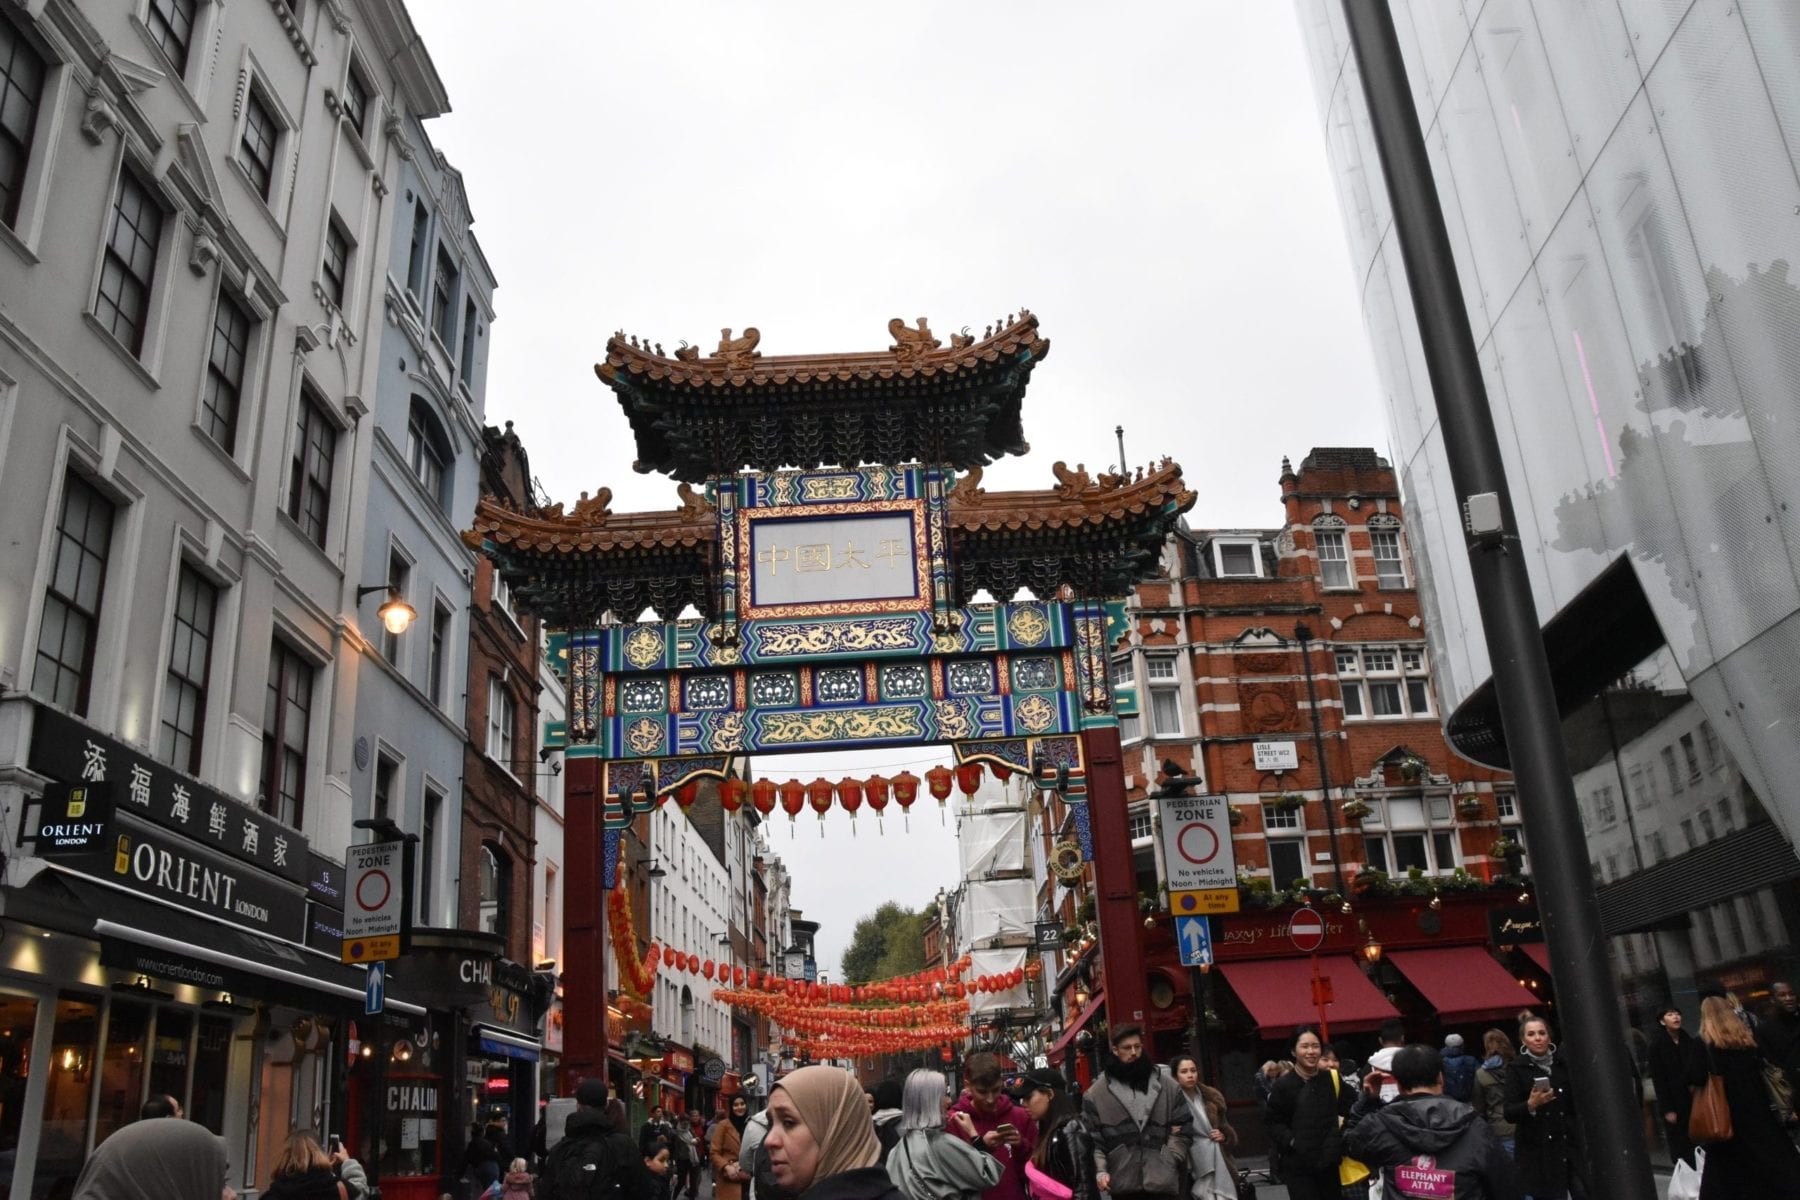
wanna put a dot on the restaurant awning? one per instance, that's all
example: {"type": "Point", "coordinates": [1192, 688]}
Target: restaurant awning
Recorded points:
{"type": "Point", "coordinates": [1463, 983]}
{"type": "Point", "coordinates": [1278, 993]}
{"type": "Point", "coordinates": [1061, 1045]}
{"type": "Point", "coordinates": [1540, 954]}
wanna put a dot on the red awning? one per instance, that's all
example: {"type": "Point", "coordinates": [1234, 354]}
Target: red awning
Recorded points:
{"type": "Point", "coordinates": [1463, 983]}
{"type": "Point", "coordinates": [1540, 954]}
{"type": "Point", "coordinates": [1068, 1035]}
{"type": "Point", "coordinates": [1278, 993]}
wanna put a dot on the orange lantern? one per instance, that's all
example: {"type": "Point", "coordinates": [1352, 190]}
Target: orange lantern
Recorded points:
{"type": "Point", "coordinates": [875, 787]}
{"type": "Point", "coordinates": [906, 790]}
{"type": "Point", "coordinates": [737, 976]}
{"type": "Point", "coordinates": [687, 793]}
{"type": "Point", "coordinates": [1001, 771]}
{"type": "Point", "coordinates": [818, 794]}
{"type": "Point", "coordinates": [731, 793]}
{"type": "Point", "coordinates": [793, 799]}
{"type": "Point", "coordinates": [938, 780]}
{"type": "Point", "coordinates": [762, 796]}
{"type": "Point", "coordinates": [968, 777]}
{"type": "Point", "coordinates": [850, 795]}
{"type": "Point", "coordinates": [706, 968]}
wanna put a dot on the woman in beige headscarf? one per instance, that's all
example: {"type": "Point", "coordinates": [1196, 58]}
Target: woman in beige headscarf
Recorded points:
{"type": "Point", "coordinates": [821, 1140]}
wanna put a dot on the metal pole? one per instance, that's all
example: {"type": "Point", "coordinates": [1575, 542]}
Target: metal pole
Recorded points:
{"type": "Point", "coordinates": [1303, 634]}
{"type": "Point", "coordinates": [1319, 1001]}
{"type": "Point", "coordinates": [1119, 432]}
{"type": "Point", "coordinates": [1605, 1097]}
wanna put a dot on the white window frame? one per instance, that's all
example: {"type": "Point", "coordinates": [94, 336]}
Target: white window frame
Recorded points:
{"type": "Point", "coordinates": [1218, 548]}
{"type": "Point", "coordinates": [1299, 843]}
{"type": "Point", "coordinates": [25, 233]}
{"type": "Point", "coordinates": [1361, 668]}
{"type": "Point", "coordinates": [500, 732]}
{"type": "Point", "coordinates": [1338, 538]}
{"type": "Point", "coordinates": [275, 203]}
{"type": "Point", "coordinates": [1131, 727]}
{"type": "Point", "coordinates": [1277, 820]}
{"type": "Point", "coordinates": [1138, 816]}
{"type": "Point", "coordinates": [1395, 579]}
{"type": "Point", "coordinates": [195, 70]}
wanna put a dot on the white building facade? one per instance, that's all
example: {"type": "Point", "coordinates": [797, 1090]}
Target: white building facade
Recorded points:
{"type": "Point", "coordinates": [196, 208]}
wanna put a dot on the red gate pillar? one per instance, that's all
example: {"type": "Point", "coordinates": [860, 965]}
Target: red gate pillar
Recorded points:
{"type": "Point", "coordinates": [584, 925]}
{"type": "Point", "coordinates": [1115, 879]}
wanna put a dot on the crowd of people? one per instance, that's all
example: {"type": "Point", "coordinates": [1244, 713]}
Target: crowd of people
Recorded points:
{"type": "Point", "coordinates": [1412, 1120]}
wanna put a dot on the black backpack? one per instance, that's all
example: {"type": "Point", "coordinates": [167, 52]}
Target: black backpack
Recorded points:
{"type": "Point", "coordinates": [582, 1168]}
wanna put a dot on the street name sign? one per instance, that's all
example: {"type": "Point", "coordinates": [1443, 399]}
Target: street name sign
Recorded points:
{"type": "Point", "coordinates": [1275, 756]}
{"type": "Point", "coordinates": [374, 901]}
{"type": "Point", "coordinates": [1194, 936]}
{"type": "Point", "coordinates": [1196, 838]}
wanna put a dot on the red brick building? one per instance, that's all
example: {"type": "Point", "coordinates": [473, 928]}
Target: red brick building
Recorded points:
{"type": "Point", "coordinates": [1287, 668]}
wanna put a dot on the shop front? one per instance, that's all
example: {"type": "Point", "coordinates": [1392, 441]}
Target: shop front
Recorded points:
{"type": "Point", "coordinates": [156, 943]}
{"type": "Point", "coordinates": [677, 1069]}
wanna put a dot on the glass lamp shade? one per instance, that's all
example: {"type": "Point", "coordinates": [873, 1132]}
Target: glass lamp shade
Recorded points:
{"type": "Point", "coordinates": [396, 614]}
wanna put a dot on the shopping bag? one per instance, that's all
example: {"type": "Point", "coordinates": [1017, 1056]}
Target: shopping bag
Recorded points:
{"type": "Point", "coordinates": [1684, 1184]}
{"type": "Point", "coordinates": [1710, 1118]}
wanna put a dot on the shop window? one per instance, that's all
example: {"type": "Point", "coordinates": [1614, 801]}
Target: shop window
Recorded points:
{"type": "Point", "coordinates": [409, 1126]}
{"type": "Point", "coordinates": [74, 1054]}
{"type": "Point", "coordinates": [18, 1016]}
{"type": "Point", "coordinates": [169, 1053]}
{"type": "Point", "coordinates": [122, 1066]}
{"type": "Point", "coordinates": [212, 1064]}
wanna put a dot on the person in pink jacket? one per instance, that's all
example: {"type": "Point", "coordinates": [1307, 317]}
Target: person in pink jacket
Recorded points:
{"type": "Point", "coordinates": [1002, 1128]}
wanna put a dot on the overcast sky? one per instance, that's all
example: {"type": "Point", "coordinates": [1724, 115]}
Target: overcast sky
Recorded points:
{"type": "Point", "coordinates": [1150, 179]}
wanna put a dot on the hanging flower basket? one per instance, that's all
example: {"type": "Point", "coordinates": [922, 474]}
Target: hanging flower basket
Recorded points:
{"type": "Point", "coordinates": [1504, 847]}
{"type": "Point", "coordinates": [1289, 802]}
{"type": "Point", "coordinates": [1355, 810]}
{"type": "Point", "coordinates": [1235, 815]}
{"type": "Point", "coordinates": [1469, 804]}
{"type": "Point", "coordinates": [1412, 769]}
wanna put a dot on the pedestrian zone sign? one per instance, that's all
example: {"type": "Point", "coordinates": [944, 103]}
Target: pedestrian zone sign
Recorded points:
{"type": "Point", "coordinates": [374, 901]}
{"type": "Point", "coordinates": [1197, 850]}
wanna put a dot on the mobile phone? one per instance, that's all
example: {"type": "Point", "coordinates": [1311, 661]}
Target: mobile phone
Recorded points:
{"type": "Point", "coordinates": [1005, 1130]}
{"type": "Point", "coordinates": [336, 1145]}
{"type": "Point", "coordinates": [1542, 1084]}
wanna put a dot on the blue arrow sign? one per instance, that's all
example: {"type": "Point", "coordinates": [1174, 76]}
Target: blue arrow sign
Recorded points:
{"type": "Point", "coordinates": [374, 988]}
{"type": "Point", "coordinates": [1194, 936]}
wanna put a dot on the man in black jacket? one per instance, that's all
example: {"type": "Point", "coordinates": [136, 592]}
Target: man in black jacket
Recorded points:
{"type": "Point", "coordinates": [1426, 1144]}
{"type": "Point", "coordinates": [594, 1160]}
{"type": "Point", "coordinates": [1675, 1058]}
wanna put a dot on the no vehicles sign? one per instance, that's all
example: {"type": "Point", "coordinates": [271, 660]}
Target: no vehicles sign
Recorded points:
{"type": "Point", "coordinates": [1196, 839]}
{"type": "Point", "coordinates": [374, 901]}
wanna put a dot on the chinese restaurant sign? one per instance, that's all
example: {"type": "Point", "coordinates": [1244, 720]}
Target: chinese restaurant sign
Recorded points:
{"type": "Point", "coordinates": [66, 750]}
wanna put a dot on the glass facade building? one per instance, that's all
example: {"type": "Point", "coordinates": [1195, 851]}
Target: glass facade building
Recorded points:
{"type": "Point", "coordinates": [1620, 186]}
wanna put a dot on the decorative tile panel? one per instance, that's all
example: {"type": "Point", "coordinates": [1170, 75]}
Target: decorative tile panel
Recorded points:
{"type": "Point", "coordinates": [1034, 675]}
{"type": "Point", "coordinates": [970, 678]}
{"type": "Point", "coordinates": [644, 695]}
{"type": "Point", "coordinates": [905, 681]}
{"type": "Point", "coordinates": [838, 685]}
{"type": "Point", "coordinates": [706, 693]}
{"type": "Point", "coordinates": [774, 689]}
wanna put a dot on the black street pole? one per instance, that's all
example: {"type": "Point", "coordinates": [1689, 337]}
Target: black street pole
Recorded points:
{"type": "Point", "coordinates": [1303, 635]}
{"type": "Point", "coordinates": [1606, 1100]}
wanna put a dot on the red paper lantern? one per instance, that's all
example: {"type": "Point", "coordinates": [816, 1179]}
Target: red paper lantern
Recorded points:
{"type": "Point", "coordinates": [737, 977]}
{"type": "Point", "coordinates": [938, 780]}
{"type": "Point", "coordinates": [968, 777]}
{"type": "Point", "coordinates": [1001, 771]}
{"type": "Point", "coordinates": [762, 796]}
{"type": "Point", "coordinates": [906, 789]}
{"type": "Point", "coordinates": [793, 797]}
{"type": "Point", "coordinates": [818, 794]}
{"type": "Point", "coordinates": [876, 788]}
{"type": "Point", "coordinates": [850, 795]}
{"type": "Point", "coordinates": [731, 793]}
{"type": "Point", "coordinates": [687, 793]}
{"type": "Point", "coordinates": [706, 968]}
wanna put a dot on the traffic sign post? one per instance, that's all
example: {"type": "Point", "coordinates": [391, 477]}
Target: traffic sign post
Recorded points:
{"type": "Point", "coordinates": [1306, 929]}
{"type": "Point", "coordinates": [1194, 937]}
{"type": "Point", "coordinates": [377, 917]}
{"type": "Point", "coordinates": [374, 989]}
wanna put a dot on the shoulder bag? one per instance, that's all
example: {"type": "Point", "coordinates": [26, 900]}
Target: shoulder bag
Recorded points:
{"type": "Point", "coordinates": [1351, 1171]}
{"type": "Point", "coordinates": [1781, 1094]}
{"type": "Point", "coordinates": [1710, 1118]}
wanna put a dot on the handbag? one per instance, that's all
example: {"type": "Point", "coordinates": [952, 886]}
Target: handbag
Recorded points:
{"type": "Point", "coordinates": [1710, 1118]}
{"type": "Point", "coordinates": [1781, 1094]}
{"type": "Point", "coordinates": [1045, 1186]}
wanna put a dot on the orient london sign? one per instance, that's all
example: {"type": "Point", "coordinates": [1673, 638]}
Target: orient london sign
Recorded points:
{"type": "Point", "coordinates": [1196, 838]}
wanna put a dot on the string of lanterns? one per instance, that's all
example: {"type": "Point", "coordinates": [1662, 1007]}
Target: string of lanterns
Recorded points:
{"type": "Point", "coordinates": [850, 794]}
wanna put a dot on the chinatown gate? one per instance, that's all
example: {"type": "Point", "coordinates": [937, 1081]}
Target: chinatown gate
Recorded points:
{"type": "Point", "coordinates": [835, 600]}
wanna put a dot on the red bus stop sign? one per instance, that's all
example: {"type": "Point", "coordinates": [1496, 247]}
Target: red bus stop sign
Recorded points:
{"type": "Point", "coordinates": [1306, 929]}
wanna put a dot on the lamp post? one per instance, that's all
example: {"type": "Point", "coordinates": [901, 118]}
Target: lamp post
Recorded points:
{"type": "Point", "coordinates": [1606, 1099]}
{"type": "Point", "coordinates": [1303, 635]}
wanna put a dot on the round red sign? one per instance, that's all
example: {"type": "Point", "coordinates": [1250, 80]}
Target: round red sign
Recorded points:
{"type": "Point", "coordinates": [1306, 930]}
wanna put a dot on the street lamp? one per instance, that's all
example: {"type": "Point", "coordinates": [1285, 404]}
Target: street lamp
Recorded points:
{"type": "Point", "coordinates": [395, 613]}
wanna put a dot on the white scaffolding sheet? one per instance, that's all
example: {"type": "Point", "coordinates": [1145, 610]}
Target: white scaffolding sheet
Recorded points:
{"type": "Point", "coordinates": [991, 842]}
{"type": "Point", "coordinates": [999, 962]}
{"type": "Point", "coordinates": [994, 908]}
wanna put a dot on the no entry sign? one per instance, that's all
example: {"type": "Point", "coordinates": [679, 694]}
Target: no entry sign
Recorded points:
{"type": "Point", "coordinates": [1196, 838]}
{"type": "Point", "coordinates": [1306, 930]}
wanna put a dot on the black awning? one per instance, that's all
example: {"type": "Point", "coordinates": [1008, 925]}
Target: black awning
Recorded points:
{"type": "Point", "coordinates": [171, 946]}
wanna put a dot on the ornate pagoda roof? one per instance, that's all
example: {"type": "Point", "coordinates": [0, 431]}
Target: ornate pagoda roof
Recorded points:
{"type": "Point", "coordinates": [919, 400]}
{"type": "Point", "coordinates": [1095, 535]}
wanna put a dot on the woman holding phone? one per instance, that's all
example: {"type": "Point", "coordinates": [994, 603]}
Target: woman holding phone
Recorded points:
{"type": "Point", "coordinates": [1538, 1104]}
{"type": "Point", "coordinates": [927, 1163]}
